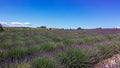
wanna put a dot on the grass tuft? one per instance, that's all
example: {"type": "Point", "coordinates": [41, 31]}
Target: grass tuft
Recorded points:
{"type": "Point", "coordinates": [6, 44]}
{"type": "Point", "coordinates": [3, 54]}
{"type": "Point", "coordinates": [73, 58]}
{"type": "Point", "coordinates": [43, 62]}
{"type": "Point", "coordinates": [19, 42]}
{"type": "Point", "coordinates": [59, 44]}
{"type": "Point", "coordinates": [17, 52]}
{"type": "Point", "coordinates": [17, 65]}
{"type": "Point", "coordinates": [48, 46]}
{"type": "Point", "coordinates": [69, 41]}
{"type": "Point", "coordinates": [29, 41]}
{"type": "Point", "coordinates": [56, 39]}
{"type": "Point", "coordinates": [33, 49]}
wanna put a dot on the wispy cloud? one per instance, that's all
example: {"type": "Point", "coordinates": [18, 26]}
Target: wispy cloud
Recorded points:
{"type": "Point", "coordinates": [16, 24]}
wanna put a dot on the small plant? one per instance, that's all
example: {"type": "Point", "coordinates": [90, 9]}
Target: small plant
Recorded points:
{"type": "Point", "coordinates": [73, 58]}
{"type": "Point", "coordinates": [8, 36]}
{"type": "Point", "coordinates": [19, 42]}
{"type": "Point", "coordinates": [29, 41]}
{"type": "Point", "coordinates": [109, 36]}
{"type": "Point", "coordinates": [6, 44]}
{"type": "Point", "coordinates": [94, 55]}
{"type": "Point", "coordinates": [43, 62]}
{"type": "Point", "coordinates": [107, 50]}
{"type": "Point", "coordinates": [17, 52]}
{"type": "Point", "coordinates": [99, 38]}
{"type": "Point", "coordinates": [33, 49]}
{"type": "Point", "coordinates": [90, 39]}
{"type": "Point", "coordinates": [59, 44]}
{"type": "Point", "coordinates": [20, 38]}
{"type": "Point", "coordinates": [17, 65]}
{"type": "Point", "coordinates": [69, 41]}
{"type": "Point", "coordinates": [48, 46]}
{"type": "Point", "coordinates": [3, 54]}
{"type": "Point", "coordinates": [56, 39]}
{"type": "Point", "coordinates": [80, 41]}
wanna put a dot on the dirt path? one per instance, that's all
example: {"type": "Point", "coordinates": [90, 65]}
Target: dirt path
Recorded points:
{"type": "Point", "coordinates": [112, 62]}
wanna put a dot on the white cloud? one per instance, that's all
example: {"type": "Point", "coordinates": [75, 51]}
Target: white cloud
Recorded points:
{"type": "Point", "coordinates": [26, 23]}
{"type": "Point", "coordinates": [4, 24]}
{"type": "Point", "coordinates": [117, 27]}
{"type": "Point", "coordinates": [19, 24]}
{"type": "Point", "coordinates": [16, 24]}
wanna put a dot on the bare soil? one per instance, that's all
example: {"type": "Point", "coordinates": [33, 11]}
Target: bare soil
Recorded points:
{"type": "Point", "coordinates": [112, 62]}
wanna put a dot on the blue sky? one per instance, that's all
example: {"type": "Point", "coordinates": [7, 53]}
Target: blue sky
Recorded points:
{"type": "Point", "coordinates": [61, 13]}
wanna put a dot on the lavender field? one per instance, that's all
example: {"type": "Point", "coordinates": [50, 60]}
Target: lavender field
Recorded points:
{"type": "Point", "coordinates": [58, 48]}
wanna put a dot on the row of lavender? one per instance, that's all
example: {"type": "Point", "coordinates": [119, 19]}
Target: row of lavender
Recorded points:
{"type": "Point", "coordinates": [18, 48]}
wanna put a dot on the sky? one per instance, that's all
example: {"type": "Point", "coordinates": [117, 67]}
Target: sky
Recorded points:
{"type": "Point", "coordinates": [61, 13]}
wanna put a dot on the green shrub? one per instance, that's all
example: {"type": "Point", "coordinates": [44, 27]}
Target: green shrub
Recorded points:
{"type": "Point", "coordinates": [48, 46]}
{"type": "Point", "coordinates": [32, 49]}
{"type": "Point", "coordinates": [99, 38]}
{"type": "Point", "coordinates": [94, 55]}
{"type": "Point", "coordinates": [85, 40]}
{"type": "Point", "coordinates": [7, 36]}
{"type": "Point", "coordinates": [17, 65]}
{"type": "Point", "coordinates": [17, 52]}
{"type": "Point", "coordinates": [6, 44]}
{"type": "Point", "coordinates": [116, 45]}
{"type": "Point", "coordinates": [90, 39]}
{"type": "Point", "coordinates": [43, 62]}
{"type": "Point", "coordinates": [69, 41]}
{"type": "Point", "coordinates": [3, 54]}
{"type": "Point", "coordinates": [102, 51]}
{"type": "Point", "coordinates": [19, 42]}
{"type": "Point", "coordinates": [29, 41]}
{"type": "Point", "coordinates": [74, 58]}
{"type": "Point", "coordinates": [107, 50]}
{"type": "Point", "coordinates": [19, 38]}
{"type": "Point", "coordinates": [56, 39]}
{"type": "Point", "coordinates": [59, 44]}
{"type": "Point", "coordinates": [109, 36]}
{"type": "Point", "coordinates": [80, 41]}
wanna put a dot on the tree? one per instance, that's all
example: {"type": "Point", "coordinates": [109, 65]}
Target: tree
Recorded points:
{"type": "Point", "coordinates": [1, 28]}
{"type": "Point", "coordinates": [99, 28]}
{"type": "Point", "coordinates": [50, 28]}
{"type": "Point", "coordinates": [43, 27]}
{"type": "Point", "coordinates": [79, 28]}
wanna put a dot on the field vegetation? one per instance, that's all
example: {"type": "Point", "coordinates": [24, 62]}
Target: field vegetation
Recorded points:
{"type": "Point", "coordinates": [59, 48]}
